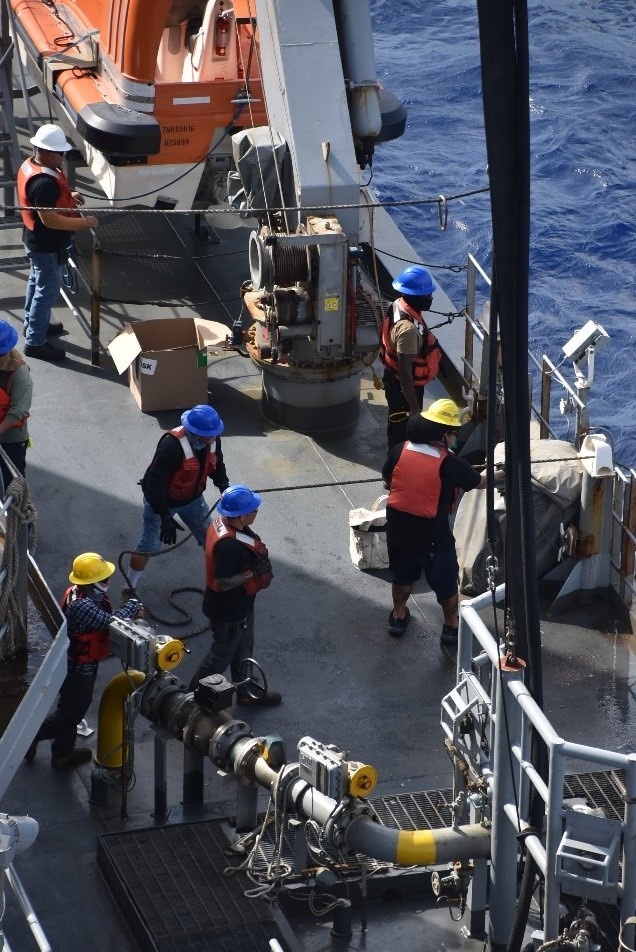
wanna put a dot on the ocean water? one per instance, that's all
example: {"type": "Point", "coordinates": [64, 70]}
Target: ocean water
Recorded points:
{"type": "Point", "coordinates": [583, 166]}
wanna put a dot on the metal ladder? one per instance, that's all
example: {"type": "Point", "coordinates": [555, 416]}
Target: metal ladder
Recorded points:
{"type": "Point", "coordinates": [10, 157]}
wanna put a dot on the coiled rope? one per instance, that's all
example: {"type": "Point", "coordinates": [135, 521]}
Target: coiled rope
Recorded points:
{"type": "Point", "coordinates": [20, 512]}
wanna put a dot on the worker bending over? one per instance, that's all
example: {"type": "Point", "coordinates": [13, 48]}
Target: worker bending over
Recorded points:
{"type": "Point", "coordinates": [237, 566]}
{"type": "Point", "coordinates": [174, 483]}
{"type": "Point", "coordinates": [425, 479]}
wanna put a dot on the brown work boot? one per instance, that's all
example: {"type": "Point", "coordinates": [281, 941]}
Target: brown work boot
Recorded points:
{"type": "Point", "coordinates": [31, 752]}
{"type": "Point", "coordinates": [79, 755]}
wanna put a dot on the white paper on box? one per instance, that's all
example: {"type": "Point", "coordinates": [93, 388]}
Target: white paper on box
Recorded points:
{"type": "Point", "coordinates": [147, 365]}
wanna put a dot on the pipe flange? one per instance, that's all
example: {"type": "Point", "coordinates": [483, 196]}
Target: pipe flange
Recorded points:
{"type": "Point", "coordinates": [341, 819]}
{"type": "Point", "coordinates": [244, 763]}
{"type": "Point", "coordinates": [156, 692]}
{"type": "Point", "coordinates": [224, 739]}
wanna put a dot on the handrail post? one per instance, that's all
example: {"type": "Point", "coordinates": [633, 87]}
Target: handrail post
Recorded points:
{"type": "Point", "coordinates": [546, 387]}
{"type": "Point", "coordinates": [503, 868]}
{"type": "Point", "coordinates": [96, 288]}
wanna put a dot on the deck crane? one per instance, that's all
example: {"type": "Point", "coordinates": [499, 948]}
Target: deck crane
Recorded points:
{"type": "Point", "coordinates": [313, 323]}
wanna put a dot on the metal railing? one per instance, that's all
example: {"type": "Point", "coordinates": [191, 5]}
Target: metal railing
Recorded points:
{"type": "Point", "coordinates": [573, 400]}
{"type": "Point", "coordinates": [579, 852]}
{"type": "Point", "coordinates": [36, 702]}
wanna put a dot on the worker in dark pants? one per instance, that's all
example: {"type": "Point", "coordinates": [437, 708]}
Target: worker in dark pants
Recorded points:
{"type": "Point", "coordinates": [16, 391]}
{"type": "Point", "coordinates": [88, 614]}
{"type": "Point", "coordinates": [409, 352]}
{"type": "Point", "coordinates": [425, 479]}
{"type": "Point", "coordinates": [174, 483]}
{"type": "Point", "coordinates": [237, 566]}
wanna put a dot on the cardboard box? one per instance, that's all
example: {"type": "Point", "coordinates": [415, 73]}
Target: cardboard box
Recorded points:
{"type": "Point", "coordinates": [167, 360]}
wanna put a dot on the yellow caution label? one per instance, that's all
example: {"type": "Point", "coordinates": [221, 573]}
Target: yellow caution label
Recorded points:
{"type": "Point", "coordinates": [332, 303]}
{"type": "Point", "coordinates": [415, 848]}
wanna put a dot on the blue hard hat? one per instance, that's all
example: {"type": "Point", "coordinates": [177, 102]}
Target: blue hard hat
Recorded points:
{"type": "Point", "coordinates": [414, 280]}
{"type": "Point", "coordinates": [238, 501]}
{"type": "Point", "coordinates": [8, 337]}
{"type": "Point", "coordinates": [202, 420]}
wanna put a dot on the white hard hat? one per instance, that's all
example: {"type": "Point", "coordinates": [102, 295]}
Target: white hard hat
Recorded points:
{"type": "Point", "coordinates": [51, 139]}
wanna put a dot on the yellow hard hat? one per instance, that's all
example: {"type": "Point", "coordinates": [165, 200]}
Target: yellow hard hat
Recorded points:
{"type": "Point", "coordinates": [90, 567]}
{"type": "Point", "coordinates": [444, 411]}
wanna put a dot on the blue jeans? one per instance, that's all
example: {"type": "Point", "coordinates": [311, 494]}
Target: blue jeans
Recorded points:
{"type": "Point", "coordinates": [43, 288]}
{"type": "Point", "coordinates": [194, 514]}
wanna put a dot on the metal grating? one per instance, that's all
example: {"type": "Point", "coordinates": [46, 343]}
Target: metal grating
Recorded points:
{"type": "Point", "coordinates": [604, 789]}
{"type": "Point", "coordinates": [170, 881]}
{"type": "Point", "coordinates": [428, 810]}
{"type": "Point", "coordinates": [170, 885]}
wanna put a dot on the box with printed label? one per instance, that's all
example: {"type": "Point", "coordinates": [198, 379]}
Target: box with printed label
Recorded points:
{"type": "Point", "coordinates": [167, 360]}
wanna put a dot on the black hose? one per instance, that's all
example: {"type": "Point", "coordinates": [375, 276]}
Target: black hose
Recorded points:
{"type": "Point", "coordinates": [504, 62]}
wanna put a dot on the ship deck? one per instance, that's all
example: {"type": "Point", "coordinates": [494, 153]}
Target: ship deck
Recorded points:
{"type": "Point", "coordinates": [320, 627]}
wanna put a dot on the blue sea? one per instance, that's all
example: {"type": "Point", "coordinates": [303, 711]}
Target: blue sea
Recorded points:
{"type": "Point", "coordinates": [583, 191]}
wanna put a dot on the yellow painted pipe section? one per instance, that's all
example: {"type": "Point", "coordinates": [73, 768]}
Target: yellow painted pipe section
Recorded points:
{"type": "Point", "coordinates": [416, 848]}
{"type": "Point", "coordinates": [110, 722]}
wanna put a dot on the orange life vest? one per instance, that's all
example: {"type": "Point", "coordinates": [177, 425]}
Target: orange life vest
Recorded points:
{"type": "Point", "coordinates": [217, 531]}
{"type": "Point", "coordinates": [416, 484]}
{"type": "Point", "coordinates": [188, 481]}
{"type": "Point", "coordinates": [28, 171]}
{"type": "Point", "coordinates": [426, 362]}
{"type": "Point", "coordinates": [88, 645]}
{"type": "Point", "coordinates": [5, 396]}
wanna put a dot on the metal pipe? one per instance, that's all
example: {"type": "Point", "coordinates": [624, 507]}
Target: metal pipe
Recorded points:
{"type": "Point", "coordinates": [503, 866]}
{"type": "Point", "coordinates": [417, 847]}
{"type": "Point", "coordinates": [28, 910]}
{"type": "Point", "coordinates": [529, 770]}
{"type": "Point", "coordinates": [553, 838]}
{"type": "Point", "coordinates": [110, 721]}
{"type": "Point", "coordinates": [533, 843]}
{"type": "Point", "coordinates": [167, 704]}
{"type": "Point", "coordinates": [629, 853]}
{"type": "Point", "coordinates": [528, 704]}
{"type": "Point", "coordinates": [608, 758]}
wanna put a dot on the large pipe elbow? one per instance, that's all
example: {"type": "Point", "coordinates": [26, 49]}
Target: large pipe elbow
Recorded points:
{"type": "Point", "coordinates": [417, 847]}
{"type": "Point", "coordinates": [110, 722]}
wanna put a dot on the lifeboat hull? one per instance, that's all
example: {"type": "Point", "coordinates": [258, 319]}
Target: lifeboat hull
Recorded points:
{"type": "Point", "coordinates": [145, 88]}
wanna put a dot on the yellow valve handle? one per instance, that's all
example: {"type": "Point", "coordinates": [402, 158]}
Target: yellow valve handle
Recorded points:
{"type": "Point", "coordinates": [170, 655]}
{"type": "Point", "coordinates": [362, 779]}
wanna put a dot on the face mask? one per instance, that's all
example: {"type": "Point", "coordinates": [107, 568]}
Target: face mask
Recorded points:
{"type": "Point", "coordinates": [196, 442]}
{"type": "Point", "coordinates": [101, 587]}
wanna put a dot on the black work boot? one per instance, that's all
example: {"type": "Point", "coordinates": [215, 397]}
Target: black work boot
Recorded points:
{"type": "Point", "coordinates": [79, 755]}
{"type": "Point", "coordinates": [45, 351]}
{"type": "Point", "coordinates": [31, 752]}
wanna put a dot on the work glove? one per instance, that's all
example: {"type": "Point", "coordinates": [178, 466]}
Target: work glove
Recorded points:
{"type": "Point", "coordinates": [168, 533]}
{"type": "Point", "coordinates": [261, 567]}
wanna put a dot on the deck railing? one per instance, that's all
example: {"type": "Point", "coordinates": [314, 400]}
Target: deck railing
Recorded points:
{"type": "Point", "coordinates": [571, 400]}
{"type": "Point", "coordinates": [579, 854]}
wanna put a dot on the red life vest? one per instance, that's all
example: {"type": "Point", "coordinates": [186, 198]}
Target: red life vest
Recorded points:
{"type": "Point", "coordinates": [220, 530]}
{"type": "Point", "coordinates": [426, 363]}
{"type": "Point", "coordinates": [416, 484]}
{"type": "Point", "coordinates": [5, 397]}
{"type": "Point", "coordinates": [29, 170]}
{"type": "Point", "coordinates": [188, 481]}
{"type": "Point", "coordinates": [88, 645]}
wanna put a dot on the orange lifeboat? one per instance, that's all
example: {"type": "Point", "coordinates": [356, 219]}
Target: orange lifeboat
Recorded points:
{"type": "Point", "coordinates": [147, 89]}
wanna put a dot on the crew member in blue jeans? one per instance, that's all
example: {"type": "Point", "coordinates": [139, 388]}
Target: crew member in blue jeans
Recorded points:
{"type": "Point", "coordinates": [174, 484]}
{"type": "Point", "coordinates": [237, 566]}
{"type": "Point", "coordinates": [47, 233]}
{"type": "Point", "coordinates": [88, 615]}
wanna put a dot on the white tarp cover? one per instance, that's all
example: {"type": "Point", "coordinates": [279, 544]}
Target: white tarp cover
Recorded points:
{"type": "Point", "coordinates": [557, 475]}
